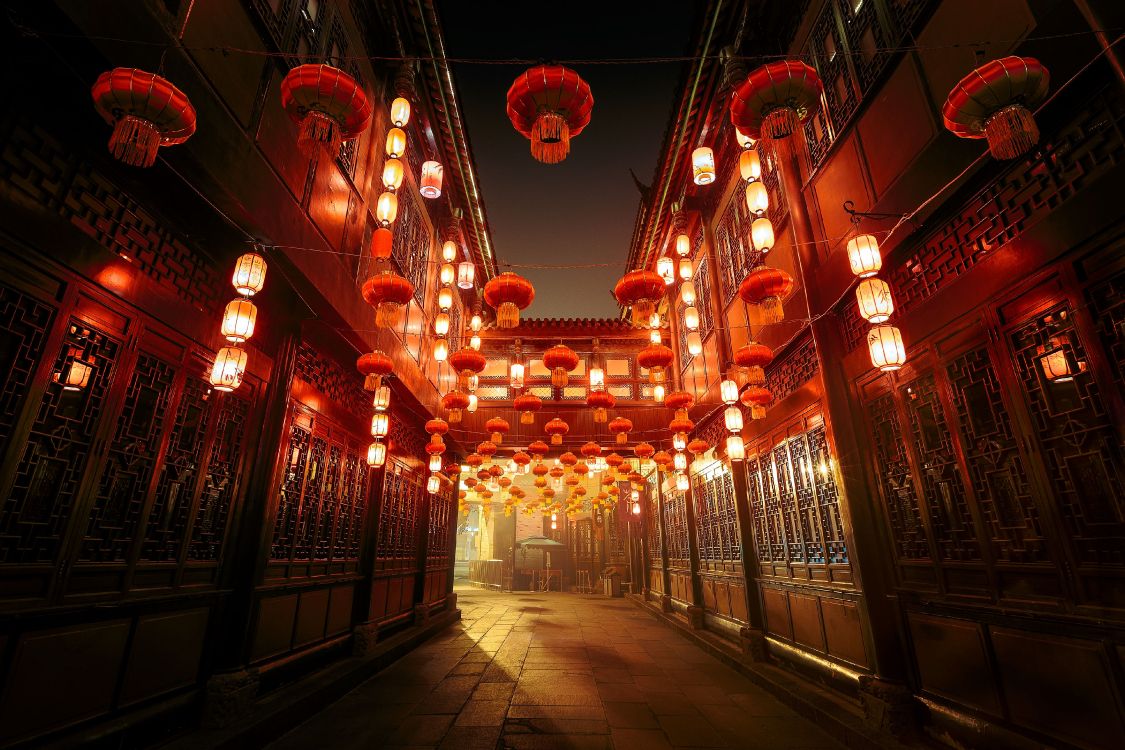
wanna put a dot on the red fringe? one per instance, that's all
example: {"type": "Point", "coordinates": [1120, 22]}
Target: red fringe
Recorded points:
{"type": "Point", "coordinates": [134, 141]}
{"type": "Point", "coordinates": [1011, 132]}
{"type": "Point", "coordinates": [318, 129]}
{"type": "Point", "coordinates": [550, 138]}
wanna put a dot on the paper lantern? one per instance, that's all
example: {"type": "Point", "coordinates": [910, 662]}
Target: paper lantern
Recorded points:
{"type": "Point", "coordinates": [374, 366]}
{"type": "Point", "coordinates": [329, 106]}
{"type": "Point", "coordinates": [698, 447]}
{"type": "Point", "coordinates": [447, 274]}
{"type": "Point", "coordinates": [449, 251]}
{"type": "Point", "coordinates": [621, 427]}
{"type": "Point", "coordinates": [655, 358]}
{"type": "Point", "coordinates": [658, 393]}
{"type": "Point", "coordinates": [703, 166]}
{"type": "Point", "coordinates": [761, 234]}
{"type": "Point", "coordinates": [736, 451]}
{"type": "Point", "coordinates": [146, 112]}
{"type": "Point", "coordinates": [386, 209]}
{"type": "Point", "coordinates": [560, 360]}
{"type": "Point", "coordinates": [75, 374]}
{"type": "Point", "coordinates": [376, 455]}
{"type": "Point", "coordinates": [380, 425]}
{"type": "Point", "coordinates": [597, 378]}
{"type": "Point", "coordinates": [863, 255]}
{"type": "Point", "coordinates": [1058, 361]}
{"type": "Point", "coordinates": [430, 183]}
{"type": "Point", "coordinates": [995, 102]}
{"type": "Point", "coordinates": [744, 141]}
{"type": "Point", "coordinates": [685, 269]}
{"type": "Point", "coordinates": [497, 429]}
{"type": "Point", "coordinates": [249, 274]}
{"type": "Point", "coordinates": [445, 298]}
{"type": "Point", "coordinates": [474, 341]}
{"type": "Point", "coordinates": [229, 367]}
{"type": "Point", "coordinates": [435, 463]}
{"type": "Point", "coordinates": [396, 143]}
{"type": "Point", "coordinates": [766, 289]}
{"type": "Point", "coordinates": [600, 401]}
{"type": "Point", "coordinates": [387, 292]}
{"type": "Point", "coordinates": [683, 245]}
{"type": "Point", "coordinates": [437, 427]}
{"type": "Point", "coordinates": [527, 404]}
{"type": "Point", "coordinates": [549, 105]}
{"type": "Point", "coordinates": [753, 358]}
{"type": "Point", "coordinates": [655, 337]}
{"type": "Point", "coordinates": [433, 484]}
{"type": "Point", "coordinates": [774, 100]}
{"type": "Point", "coordinates": [694, 343]}
{"type": "Point", "coordinates": [466, 274]}
{"type": "Point", "coordinates": [393, 172]}
{"type": "Point", "coordinates": [679, 441]}
{"type": "Point", "coordinates": [516, 375]}
{"type": "Point", "coordinates": [400, 112]}
{"type": "Point", "coordinates": [441, 324]}
{"type": "Point", "coordinates": [643, 451]}
{"type": "Point", "coordinates": [682, 484]}
{"type": "Point", "coordinates": [875, 300]}
{"type": "Point", "coordinates": [884, 343]}
{"type": "Point", "coordinates": [454, 402]}
{"type": "Point", "coordinates": [238, 320]}
{"type": "Point", "coordinates": [687, 293]}
{"type": "Point", "coordinates": [732, 419]}
{"type": "Point", "coordinates": [556, 428]}
{"type": "Point", "coordinates": [509, 294]}
{"type": "Point", "coordinates": [728, 391]}
{"type": "Point", "coordinates": [749, 164]}
{"type": "Point", "coordinates": [666, 269]}
{"type": "Point", "coordinates": [381, 400]}
{"type": "Point", "coordinates": [679, 462]}
{"type": "Point", "coordinates": [756, 399]}
{"type": "Point", "coordinates": [441, 349]}
{"type": "Point", "coordinates": [757, 197]}
{"type": "Point", "coordinates": [382, 243]}
{"type": "Point", "coordinates": [641, 291]}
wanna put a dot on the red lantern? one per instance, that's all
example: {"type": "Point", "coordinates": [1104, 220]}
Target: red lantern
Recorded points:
{"type": "Point", "coordinates": [540, 469]}
{"type": "Point", "coordinates": [556, 428]}
{"type": "Point", "coordinates": [498, 428]}
{"type": "Point", "coordinates": [381, 243]}
{"type": "Point", "coordinates": [591, 450]}
{"type": "Point", "coordinates": [775, 99]}
{"type": "Point", "coordinates": [698, 447]}
{"type": "Point", "coordinates": [568, 459]}
{"type": "Point", "coordinates": [454, 402]}
{"type": "Point", "coordinates": [621, 427]}
{"type": "Point", "coordinates": [521, 459]}
{"type": "Point", "coordinates": [663, 459]}
{"type": "Point", "coordinates": [643, 451]}
{"type": "Point", "coordinates": [641, 291]}
{"type": "Point", "coordinates": [327, 103]}
{"type": "Point", "coordinates": [560, 360]}
{"type": "Point", "coordinates": [474, 460]}
{"type": "Point", "coordinates": [388, 293]}
{"type": "Point", "coordinates": [655, 358]}
{"type": "Point", "coordinates": [488, 450]}
{"type": "Point", "coordinates": [374, 366]}
{"type": "Point", "coordinates": [756, 399]}
{"type": "Point", "coordinates": [549, 104]}
{"type": "Point", "coordinates": [146, 112]}
{"type": "Point", "coordinates": [581, 470]}
{"type": "Point", "coordinates": [613, 460]}
{"type": "Point", "coordinates": [995, 102]}
{"type": "Point", "coordinates": [509, 294]}
{"type": "Point", "coordinates": [467, 362]}
{"type": "Point", "coordinates": [527, 404]}
{"type": "Point", "coordinates": [754, 357]}
{"type": "Point", "coordinates": [679, 400]}
{"type": "Point", "coordinates": [437, 427]}
{"type": "Point", "coordinates": [765, 289]}
{"type": "Point", "coordinates": [435, 447]}
{"type": "Point", "coordinates": [681, 425]}
{"type": "Point", "coordinates": [599, 401]}
{"type": "Point", "coordinates": [538, 448]}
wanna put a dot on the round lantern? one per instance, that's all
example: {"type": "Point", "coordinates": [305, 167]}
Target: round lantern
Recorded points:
{"type": "Point", "coordinates": [884, 343]}
{"type": "Point", "coordinates": [761, 234]}
{"type": "Point", "coordinates": [435, 448]}
{"type": "Point", "coordinates": [753, 357]}
{"type": "Point", "coordinates": [549, 105]}
{"type": "Point", "coordinates": [679, 401]}
{"type": "Point", "coordinates": [599, 401]}
{"type": "Point", "coordinates": [590, 450]}
{"type": "Point", "coordinates": [655, 358]}
{"type": "Point", "coordinates": [146, 112]}
{"type": "Point", "coordinates": [641, 291]}
{"type": "Point", "coordinates": [437, 427]}
{"type": "Point", "coordinates": [386, 208]}
{"type": "Point", "coordinates": [527, 404]}
{"type": "Point", "coordinates": [497, 429]}
{"type": "Point", "coordinates": [863, 255]}
{"type": "Point", "coordinates": [995, 102]}
{"type": "Point", "coordinates": [387, 292]}
{"type": "Point", "coordinates": [396, 143]}
{"type": "Point", "coordinates": [765, 289]}
{"type": "Point", "coordinates": [509, 294]}
{"type": "Point", "coordinates": [663, 459]}
{"type": "Point", "coordinates": [568, 459]}
{"type": "Point", "coordinates": [521, 459]}
{"type": "Point", "coordinates": [756, 398]}
{"type": "Point", "coordinates": [229, 367]}
{"type": "Point", "coordinates": [775, 99]}
{"type": "Point", "coordinates": [467, 362]}
{"type": "Point", "coordinates": [454, 402]}
{"type": "Point", "coordinates": [430, 182]}
{"type": "Point", "coordinates": [621, 427]}
{"type": "Point", "coordinates": [703, 166]}
{"type": "Point", "coordinates": [487, 450]}
{"type": "Point", "coordinates": [249, 274]}
{"type": "Point", "coordinates": [538, 448]}
{"type": "Point", "coordinates": [681, 426]}
{"type": "Point", "coordinates": [556, 428]}
{"type": "Point", "coordinates": [328, 104]}
{"type": "Point", "coordinates": [374, 366]}
{"type": "Point", "coordinates": [876, 303]}
{"type": "Point", "coordinates": [643, 451]}
{"type": "Point", "coordinates": [698, 447]}
{"type": "Point", "coordinates": [560, 360]}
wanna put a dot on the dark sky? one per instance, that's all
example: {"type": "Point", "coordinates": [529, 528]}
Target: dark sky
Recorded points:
{"type": "Point", "coordinates": [581, 210]}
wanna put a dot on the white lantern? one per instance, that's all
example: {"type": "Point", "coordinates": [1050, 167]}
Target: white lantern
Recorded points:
{"type": "Point", "coordinates": [703, 165]}
{"type": "Point", "coordinates": [654, 336]}
{"type": "Point", "coordinates": [441, 350]}
{"type": "Point", "coordinates": [435, 462]}
{"type": "Point", "coordinates": [517, 372]}
{"type": "Point", "coordinates": [728, 389]}
{"type": "Point", "coordinates": [445, 298]}
{"type": "Point", "coordinates": [658, 393]}
{"type": "Point", "coordinates": [449, 251]}
{"type": "Point", "coordinates": [736, 451]}
{"type": "Point", "coordinates": [597, 379]}
{"type": "Point", "coordinates": [429, 185]}
{"type": "Point", "coordinates": [474, 402]}
{"type": "Point", "coordinates": [685, 269]}
{"type": "Point", "coordinates": [466, 274]}
{"type": "Point", "coordinates": [875, 300]}
{"type": "Point", "coordinates": [679, 441]}
{"type": "Point", "coordinates": [761, 234]}
{"type": "Point", "coordinates": [694, 343]}
{"type": "Point", "coordinates": [749, 165]}
{"type": "Point", "coordinates": [757, 198]}
{"type": "Point", "coordinates": [229, 367]}
{"type": "Point", "coordinates": [666, 268]}
{"type": "Point", "coordinates": [376, 455]}
{"type": "Point", "coordinates": [238, 320]}
{"type": "Point", "coordinates": [473, 382]}
{"type": "Point", "coordinates": [885, 345]}
{"type": "Point", "coordinates": [863, 255]}
{"type": "Point", "coordinates": [380, 424]}
{"type": "Point", "coordinates": [400, 112]}
{"type": "Point", "coordinates": [433, 484]}
{"type": "Point", "coordinates": [447, 274]}
{"type": "Point", "coordinates": [386, 210]}
{"type": "Point", "coordinates": [691, 319]}
{"type": "Point", "coordinates": [441, 324]}
{"type": "Point", "coordinates": [732, 419]}
{"type": "Point", "coordinates": [392, 174]}
{"type": "Point", "coordinates": [682, 483]}
{"type": "Point", "coordinates": [249, 274]}
{"type": "Point", "coordinates": [683, 245]}
{"type": "Point", "coordinates": [687, 293]}
{"type": "Point", "coordinates": [475, 323]}
{"type": "Point", "coordinates": [474, 342]}
{"type": "Point", "coordinates": [679, 462]}
{"type": "Point", "coordinates": [382, 398]}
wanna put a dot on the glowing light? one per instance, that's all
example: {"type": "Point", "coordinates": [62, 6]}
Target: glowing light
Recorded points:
{"type": "Point", "coordinates": [445, 298]}
{"type": "Point", "coordinates": [516, 372]}
{"type": "Point", "coordinates": [703, 166]}
{"type": "Point", "coordinates": [884, 342]}
{"type": "Point", "coordinates": [75, 375]}
{"type": "Point", "coordinates": [435, 462]}
{"type": "Point", "coordinates": [441, 324]}
{"type": "Point", "coordinates": [875, 300]}
{"type": "Point", "coordinates": [447, 274]}
{"type": "Point", "coordinates": [400, 112]}
{"type": "Point", "coordinates": [393, 172]}
{"type": "Point", "coordinates": [691, 318]}
{"type": "Point", "coordinates": [382, 398]}
{"type": "Point", "coordinates": [449, 251]}
{"type": "Point", "coordinates": [757, 199]}
{"type": "Point", "coordinates": [682, 483]}
{"type": "Point", "coordinates": [683, 245]}
{"type": "Point", "coordinates": [396, 143]}
{"type": "Point", "coordinates": [667, 269]}
{"type": "Point", "coordinates": [229, 367]}
{"type": "Point", "coordinates": [687, 293]}
{"type": "Point", "coordinates": [864, 256]}
{"type": "Point", "coordinates": [441, 350]}
{"type": "Point", "coordinates": [376, 455]}
{"type": "Point", "coordinates": [597, 379]}
{"type": "Point", "coordinates": [249, 274]}
{"type": "Point", "coordinates": [685, 269]}
{"type": "Point", "coordinates": [736, 450]}
{"type": "Point", "coordinates": [658, 394]}
{"type": "Point", "coordinates": [679, 442]}
{"type": "Point", "coordinates": [732, 418]}
{"type": "Point", "coordinates": [474, 402]}
{"type": "Point", "coordinates": [761, 234]}
{"type": "Point", "coordinates": [750, 165]}
{"type": "Point", "coordinates": [430, 183]}
{"type": "Point", "coordinates": [694, 343]}
{"type": "Point", "coordinates": [466, 274]}
{"type": "Point", "coordinates": [433, 484]}
{"type": "Point", "coordinates": [728, 389]}
{"type": "Point", "coordinates": [386, 210]}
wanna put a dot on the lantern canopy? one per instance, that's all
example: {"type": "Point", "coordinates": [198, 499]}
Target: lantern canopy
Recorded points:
{"type": "Point", "coordinates": [995, 102]}
{"type": "Point", "coordinates": [146, 112]}
{"type": "Point", "coordinates": [328, 104]}
{"type": "Point", "coordinates": [549, 105]}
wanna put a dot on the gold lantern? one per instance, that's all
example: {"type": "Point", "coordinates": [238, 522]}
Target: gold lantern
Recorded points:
{"type": "Point", "coordinates": [441, 350]}
{"type": "Point", "coordinates": [238, 320]}
{"type": "Point", "coordinates": [445, 298]}
{"type": "Point", "coordinates": [449, 251]}
{"type": "Point", "coordinates": [393, 172]}
{"type": "Point", "coordinates": [703, 165]}
{"type": "Point", "coordinates": [249, 274]}
{"type": "Point", "coordinates": [400, 112]}
{"type": "Point", "coordinates": [687, 293]}
{"type": "Point", "coordinates": [685, 269]}
{"type": "Point", "coordinates": [430, 182]}
{"type": "Point", "coordinates": [884, 342]}
{"type": "Point", "coordinates": [386, 210]}
{"type": "Point", "coordinates": [863, 255]}
{"type": "Point", "coordinates": [875, 301]}
{"type": "Point", "coordinates": [396, 143]}
{"type": "Point", "coordinates": [229, 367]}
{"type": "Point", "coordinates": [694, 343]}
{"type": "Point", "coordinates": [474, 402]}
{"type": "Point", "coordinates": [691, 318]}
{"type": "Point", "coordinates": [658, 393]}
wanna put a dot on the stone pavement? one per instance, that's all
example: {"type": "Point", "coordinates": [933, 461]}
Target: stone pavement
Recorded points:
{"type": "Point", "coordinates": [531, 671]}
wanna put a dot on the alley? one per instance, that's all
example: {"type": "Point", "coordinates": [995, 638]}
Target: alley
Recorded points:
{"type": "Point", "coordinates": [556, 671]}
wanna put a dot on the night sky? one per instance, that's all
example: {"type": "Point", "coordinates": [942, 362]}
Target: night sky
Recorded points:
{"type": "Point", "coordinates": [583, 209]}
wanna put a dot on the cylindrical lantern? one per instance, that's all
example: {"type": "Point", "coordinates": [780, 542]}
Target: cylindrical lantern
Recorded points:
{"type": "Point", "coordinates": [473, 382]}
{"type": "Point", "coordinates": [679, 462]}
{"type": "Point", "coordinates": [386, 210]}
{"type": "Point", "coordinates": [430, 183]}
{"type": "Point", "coordinates": [875, 300]}
{"type": "Point", "coordinates": [75, 375]}
{"type": "Point", "coordinates": [728, 389]}
{"type": "Point", "coordinates": [654, 336]}
{"type": "Point", "coordinates": [392, 174]}
{"type": "Point", "coordinates": [597, 379]}
{"type": "Point", "coordinates": [473, 403]}
{"type": "Point", "coordinates": [694, 343]}
{"type": "Point", "coordinates": [249, 274]}
{"type": "Point", "coordinates": [474, 342]}
{"type": "Point", "coordinates": [376, 455]}
{"type": "Point", "coordinates": [687, 293]}
{"type": "Point", "coordinates": [679, 441]}
{"type": "Point", "coordinates": [750, 165]}
{"type": "Point", "coordinates": [636, 508]}
{"type": "Point", "coordinates": [433, 484]}
{"type": "Point", "coordinates": [683, 245]}
{"type": "Point", "coordinates": [441, 324]}
{"type": "Point", "coordinates": [441, 350]}
{"type": "Point", "coordinates": [888, 353]}
{"type": "Point", "coordinates": [658, 393]}
{"type": "Point", "coordinates": [736, 451]}
{"type": "Point", "coordinates": [445, 298]}
{"type": "Point", "coordinates": [229, 367]}
{"type": "Point", "coordinates": [381, 401]}
{"type": "Point", "coordinates": [685, 269]}
{"type": "Point", "coordinates": [466, 274]}
{"type": "Point", "coordinates": [449, 251]}
{"type": "Point", "coordinates": [757, 198]}
{"type": "Point", "coordinates": [238, 320]}
{"type": "Point", "coordinates": [666, 268]}
{"type": "Point", "coordinates": [517, 372]}
{"type": "Point", "coordinates": [435, 462]}
{"type": "Point", "coordinates": [732, 419]}
{"type": "Point", "coordinates": [761, 234]}
{"type": "Point", "coordinates": [396, 143]}
{"type": "Point", "coordinates": [691, 318]}
{"type": "Point", "coordinates": [864, 256]}
{"type": "Point", "coordinates": [380, 424]}
{"type": "Point", "coordinates": [400, 112]}
{"type": "Point", "coordinates": [447, 274]}
{"type": "Point", "coordinates": [703, 165]}
{"type": "Point", "coordinates": [682, 483]}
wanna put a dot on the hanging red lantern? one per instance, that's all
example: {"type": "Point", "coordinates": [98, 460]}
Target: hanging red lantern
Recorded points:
{"type": "Point", "coordinates": [599, 401]}
{"type": "Point", "coordinates": [774, 100]}
{"type": "Point", "coordinates": [753, 358]}
{"type": "Point", "coordinates": [527, 404]}
{"type": "Point", "coordinates": [679, 401]}
{"type": "Point", "coordinates": [497, 428]}
{"type": "Point", "coordinates": [643, 451]}
{"type": "Point", "coordinates": [454, 402]}
{"type": "Point", "coordinates": [681, 426]}
{"type": "Point", "coordinates": [641, 291]}
{"type": "Point", "coordinates": [698, 447]}
{"type": "Point", "coordinates": [995, 102]}
{"type": "Point", "coordinates": [467, 362]}
{"type": "Point", "coordinates": [146, 112]}
{"type": "Point", "coordinates": [581, 469]}
{"type": "Point", "coordinates": [590, 450]}
{"type": "Point", "coordinates": [435, 447]}
{"type": "Point", "coordinates": [474, 460]}
{"type": "Point", "coordinates": [521, 459]}
{"type": "Point", "coordinates": [388, 293]}
{"type": "Point", "coordinates": [487, 450]}
{"type": "Point", "coordinates": [374, 366]}
{"type": "Point", "coordinates": [328, 104]}
{"type": "Point", "coordinates": [560, 360]}
{"type": "Point", "coordinates": [621, 427]}
{"type": "Point", "coordinates": [568, 459]}
{"type": "Point", "coordinates": [613, 460]}
{"type": "Point", "coordinates": [556, 428]}
{"type": "Point", "coordinates": [766, 288]}
{"type": "Point", "coordinates": [538, 448]}
{"type": "Point", "coordinates": [663, 459]}
{"type": "Point", "coordinates": [557, 472]}
{"type": "Point", "coordinates": [437, 427]}
{"type": "Point", "coordinates": [508, 293]}
{"type": "Point", "coordinates": [540, 469]}
{"type": "Point", "coordinates": [756, 399]}
{"type": "Point", "coordinates": [549, 104]}
{"type": "Point", "coordinates": [655, 358]}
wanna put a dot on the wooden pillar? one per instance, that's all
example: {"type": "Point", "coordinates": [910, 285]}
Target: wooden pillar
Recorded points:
{"type": "Point", "coordinates": [421, 611]}
{"type": "Point", "coordinates": [451, 598]}
{"type": "Point", "coordinates": [665, 576]}
{"type": "Point", "coordinates": [695, 612]}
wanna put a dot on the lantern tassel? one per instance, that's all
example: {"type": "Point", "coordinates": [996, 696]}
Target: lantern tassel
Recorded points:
{"type": "Point", "coordinates": [559, 378]}
{"type": "Point", "coordinates": [1011, 132]}
{"type": "Point", "coordinates": [778, 127]}
{"type": "Point", "coordinates": [622, 438]}
{"type": "Point", "coordinates": [527, 417]}
{"type": "Point", "coordinates": [556, 439]}
{"type": "Point", "coordinates": [134, 141]}
{"type": "Point", "coordinates": [372, 382]}
{"type": "Point", "coordinates": [454, 416]}
{"type": "Point", "coordinates": [599, 415]}
{"type": "Point", "coordinates": [769, 311]}
{"type": "Point", "coordinates": [497, 437]}
{"type": "Point", "coordinates": [507, 315]}
{"type": "Point", "coordinates": [550, 138]}
{"type": "Point", "coordinates": [757, 412]}
{"type": "Point", "coordinates": [317, 129]}
{"type": "Point", "coordinates": [642, 311]}
{"type": "Point", "coordinates": [388, 314]}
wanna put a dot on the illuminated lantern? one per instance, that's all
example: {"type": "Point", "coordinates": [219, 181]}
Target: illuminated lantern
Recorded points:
{"type": "Point", "coordinates": [756, 399]}
{"type": "Point", "coordinates": [736, 451]}
{"type": "Point", "coordinates": [376, 455]}
{"type": "Point", "coordinates": [466, 274]}
{"type": "Point", "coordinates": [433, 484]}
{"type": "Point", "coordinates": [679, 441]}
{"type": "Point", "coordinates": [698, 447]}
{"type": "Point", "coordinates": [374, 366]}
{"type": "Point", "coordinates": [875, 300]}
{"type": "Point", "coordinates": [238, 320]}
{"type": "Point", "coordinates": [380, 424]}
{"type": "Point", "coordinates": [744, 141]}
{"type": "Point", "coordinates": [613, 460]}
{"type": "Point", "coordinates": [749, 164]}
{"type": "Point", "coordinates": [643, 451]}
{"type": "Point", "coordinates": [435, 448]}
{"type": "Point", "coordinates": [665, 268]}
{"type": "Point", "coordinates": [538, 449]}
{"type": "Point", "coordinates": [641, 291]}
{"type": "Point", "coordinates": [884, 343]}
{"type": "Point", "coordinates": [441, 350]}
{"type": "Point", "coordinates": [445, 298]}
{"type": "Point", "coordinates": [568, 459]}
{"type": "Point", "coordinates": [658, 393]}
{"type": "Point", "coordinates": [1058, 362]}
{"type": "Point", "coordinates": [556, 428]}
{"type": "Point", "coordinates": [509, 294]}
{"type": "Point", "coordinates": [393, 172]}
{"type": "Point", "coordinates": [732, 419]}
{"type": "Point", "coordinates": [679, 402]}
{"type": "Point", "coordinates": [435, 463]}
{"type": "Point", "coordinates": [683, 245]}
{"type": "Point", "coordinates": [599, 401]}
{"type": "Point", "coordinates": [527, 404]}
{"type": "Point", "coordinates": [382, 242]}
{"type": "Point", "coordinates": [757, 198]}
{"type": "Point", "coordinates": [516, 375]}
{"type": "Point", "coordinates": [590, 450]}
{"type": "Point", "coordinates": [995, 102]}
{"type": "Point", "coordinates": [682, 483]}
{"type": "Point", "coordinates": [654, 337]}
{"type": "Point", "coordinates": [685, 269]}
{"type": "Point", "coordinates": [441, 324]}
{"type": "Point", "coordinates": [449, 251]}
{"type": "Point", "coordinates": [381, 401]}
{"type": "Point", "coordinates": [774, 100]}
{"type": "Point", "coordinates": [694, 343]}
{"type": "Point", "coordinates": [687, 293]}
{"type": "Point", "coordinates": [229, 367]}
{"type": "Point", "coordinates": [437, 427]}
{"type": "Point", "coordinates": [474, 341]}
{"type": "Point", "coordinates": [864, 256]}
{"type": "Point", "coordinates": [728, 390]}
{"type": "Point", "coordinates": [447, 274]}
{"type": "Point", "coordinates": [621, 427]}
{"type": "Point", "coordinates": [400, 112]}
{"type": "Point", "coordinates": [75, 375]}
{"type": "Point", "coordinates": [386, 210]}
{"type": "Point", "coordinates": [454, 402]}
{"type": "Point", "coordinates": [560, 360]}
{"type": "Point", "coordinates": [430, 182]}
{"type": "Point", "coordinates": [655, 358]}
{"type": "Point", "coordinates": [497, 428]}
{"type": "Point", "coordinates": [487, 449]}
{"type": "Point", "coordinates": [636, 508]}
{"type": "Point", "coordinates": [761, 234]}
{"type": "Point", "coordinates": [703, 166]}
{"type": "Point", "coordinates": [521, 459]}
{"type": "Point", "coordinates": [467, 362]}
{"type": "Point", "coordinates": [396, 143]}
{"type": "Point", "coordinates": [662, 459]}
{"type": "Point", "coordinates": [249, 274]}
{"type": "Point", "coordinates": [765, 289]}
{"type": "Point", "coordinates": [146, 112]}
{"type": "Point", "coordinates": [549, 105]}
{"type": "Point", "coordinates": [679, 462]}
{"type": "Point", "coordinates": [329, 106]}
{"type": "Point", "coordinates": [753, 357]}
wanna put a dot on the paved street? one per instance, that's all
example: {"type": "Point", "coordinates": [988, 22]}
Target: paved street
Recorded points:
{"type": "Point", "coordinates": [531, 671]}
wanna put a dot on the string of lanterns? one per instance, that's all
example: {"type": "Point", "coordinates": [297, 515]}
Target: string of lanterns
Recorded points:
{"type": "Point", "coordinates": [239, 320]}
